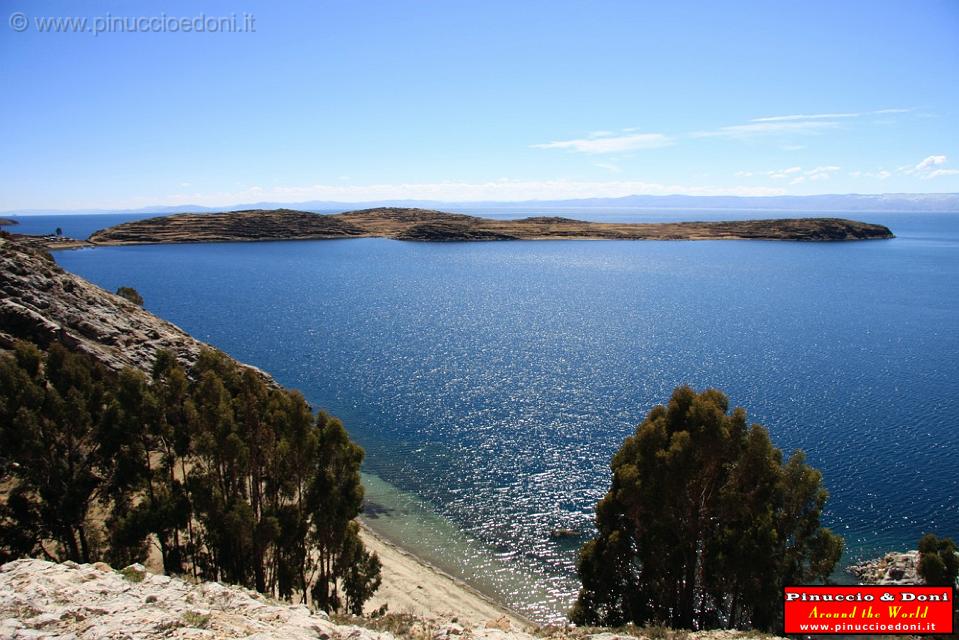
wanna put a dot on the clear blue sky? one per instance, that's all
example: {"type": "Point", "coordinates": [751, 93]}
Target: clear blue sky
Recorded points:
{"type": "Point", "coordinates": [478, 100]}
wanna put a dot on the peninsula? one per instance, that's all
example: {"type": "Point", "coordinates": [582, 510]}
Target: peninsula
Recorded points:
{"type": "Point", "coordinates": [438, 226]}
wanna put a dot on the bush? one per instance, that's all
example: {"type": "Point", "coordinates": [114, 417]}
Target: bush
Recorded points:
{"type": "Point", "coordinates": [130, 294]}
{"type": "Point", "coordinates": [938, 562]}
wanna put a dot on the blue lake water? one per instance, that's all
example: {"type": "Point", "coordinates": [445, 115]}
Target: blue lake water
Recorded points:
{"type": "Point", "coordinates": [491, 382]}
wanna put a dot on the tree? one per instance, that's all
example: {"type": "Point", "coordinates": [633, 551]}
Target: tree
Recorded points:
{"type": "Point", "coordinates": [50, 410]}
{"type": "Point", "coordinates": [334, 499]}
{"type": "Point", "coordinates": [703, 524]}
{"type": "Point", "coordinates": [938, 562]}
{"type": "Point", "coordinates": [131, 294]}
{"type": "Point", "coordinates": [228, 476]}
{"type": "Point", "coordinates": [360, 570]}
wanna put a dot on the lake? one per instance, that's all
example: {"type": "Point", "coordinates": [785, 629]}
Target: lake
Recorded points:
{"type": "Point", "coordinates": [491, 382]}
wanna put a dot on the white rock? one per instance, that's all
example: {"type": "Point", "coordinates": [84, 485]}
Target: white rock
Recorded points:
{"type": "Point", "coordinates": [39, 599]}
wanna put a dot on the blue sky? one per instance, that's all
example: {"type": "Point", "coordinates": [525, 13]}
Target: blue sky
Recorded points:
{"type": "Point", "coordinates": [477, 100]}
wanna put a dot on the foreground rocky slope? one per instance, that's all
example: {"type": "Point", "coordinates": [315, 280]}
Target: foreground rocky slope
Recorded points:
{"type": "Point", "coordinates": [438, 226]}
{"type": "Point", "coordinates": [40, 599]}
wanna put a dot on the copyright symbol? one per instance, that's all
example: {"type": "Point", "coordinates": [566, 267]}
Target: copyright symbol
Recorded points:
{"type": "Point", "coordinates": [18, 21]}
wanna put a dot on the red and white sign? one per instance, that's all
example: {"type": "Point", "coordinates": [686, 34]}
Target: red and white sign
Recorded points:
{"type": "Point", "coordinates": [862, 610]}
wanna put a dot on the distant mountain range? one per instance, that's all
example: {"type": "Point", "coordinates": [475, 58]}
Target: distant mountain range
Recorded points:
{"type": "Point", "coordinates": [850, 203]}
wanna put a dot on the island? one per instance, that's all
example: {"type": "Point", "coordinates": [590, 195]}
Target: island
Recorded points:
{"type": "Point", "coordinates": [427, 225]}
{"type": "Point", "coordinates": [7, 221]}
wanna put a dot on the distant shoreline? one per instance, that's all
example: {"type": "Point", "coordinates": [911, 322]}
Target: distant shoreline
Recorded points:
{"type": "Point", "coordinates": [845, 203]}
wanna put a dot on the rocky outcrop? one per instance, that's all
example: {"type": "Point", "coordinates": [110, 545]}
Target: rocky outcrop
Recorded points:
{"type": "Point", "coordinates": [892, 568]}
{"type": "Point", "coordinates": [437, 226]}
{"type": "Point", "coordinates": [42, 303]}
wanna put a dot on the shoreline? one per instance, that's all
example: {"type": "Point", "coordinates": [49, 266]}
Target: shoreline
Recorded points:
{"type": "Point", "coordinates": [413, 585]}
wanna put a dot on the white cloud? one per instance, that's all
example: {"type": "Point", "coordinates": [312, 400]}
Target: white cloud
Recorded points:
{"type": "Point", "coordinates": [779, 174]}
{"type": "Point", "coordinates": [800, 123]}
{"type": "Point", "coordinates": [624, 140]}
{"type": "Point", "coordinates": [930, 161]}
{"type": "Point", "coordinates": [813, 116]}
{"type": "Point", "coordinates": [797, 175]}
{"type": "Point", "coordinates": [829, 116]}
{"type": "Point", "coordinates": [599, 142]}
{"type": "Point", "coordinates": [926, 168]}
{"type": "Point", "coordinates": [942, 172]}
{"type": "Point", "coordinates": [756, 128]}
{"type": "Point", "coordinates": [822, 173]}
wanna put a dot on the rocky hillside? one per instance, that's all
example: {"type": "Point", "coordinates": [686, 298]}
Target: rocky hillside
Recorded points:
{"type": "Point", "coordinates": [42, 303]}
{"type": "Point", "coordinates": [278, 224]}
{"type": "Point", "coordinates": [438, 226]}
{"type": "Point", "coordinates": [40, 599]}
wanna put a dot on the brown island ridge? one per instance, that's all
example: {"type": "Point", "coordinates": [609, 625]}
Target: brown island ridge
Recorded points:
{"type": "Point", "coordinates": [438, 226]}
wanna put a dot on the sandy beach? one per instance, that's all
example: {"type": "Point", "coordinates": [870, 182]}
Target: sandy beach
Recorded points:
{"type": "Point", "coordinates": [413, 586]}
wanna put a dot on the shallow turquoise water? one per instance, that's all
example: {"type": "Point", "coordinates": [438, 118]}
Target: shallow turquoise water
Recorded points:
{"type": "Point", "coordinates": [491, 382]}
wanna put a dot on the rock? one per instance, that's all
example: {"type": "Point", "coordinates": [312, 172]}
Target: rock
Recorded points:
{"type": "Point", "coordinates": [446, 631]}
{"type": "Point", "coordinates": [562, 532]}
{"type": "Point", "coordinates": [501, 623]}
{"type": "Point", "coordinates": [134, 573]}
{"type": "Point", "coordinates": [893, 568]}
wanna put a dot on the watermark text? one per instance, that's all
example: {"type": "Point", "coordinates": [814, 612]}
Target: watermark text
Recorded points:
{"type": "Point", "coordinates": [109, 23]}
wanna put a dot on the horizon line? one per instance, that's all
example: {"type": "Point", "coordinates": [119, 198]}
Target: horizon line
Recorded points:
{"type": "Point", "coordinates": [238, 206]}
